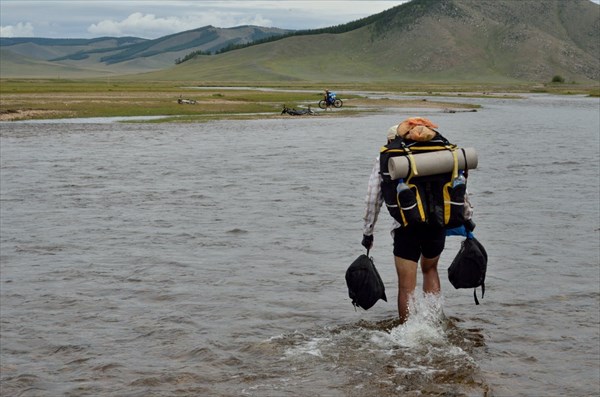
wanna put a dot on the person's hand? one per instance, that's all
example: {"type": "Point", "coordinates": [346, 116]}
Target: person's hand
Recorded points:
{"type": "Point", "coordinates": [367, 241]}
{"type": "Point", "coordinates": [469, 225]}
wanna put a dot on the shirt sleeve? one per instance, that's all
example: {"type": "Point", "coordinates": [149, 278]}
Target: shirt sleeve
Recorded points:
{"type": "Point", "coordinates": [468, 212]}
{"type": "Point", "coordinates": [373, 200]}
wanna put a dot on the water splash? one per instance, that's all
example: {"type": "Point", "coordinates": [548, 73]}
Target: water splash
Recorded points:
{"type": "Point", "coordinates": [426, 355]}
{"type": "Point", "coordinates": [425, 324]}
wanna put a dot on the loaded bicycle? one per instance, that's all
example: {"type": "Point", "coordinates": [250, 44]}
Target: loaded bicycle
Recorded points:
{"type": "Point", "coordinates": [330, 100]}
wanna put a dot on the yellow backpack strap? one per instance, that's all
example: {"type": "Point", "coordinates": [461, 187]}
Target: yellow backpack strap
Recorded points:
{"type": "Point", "coordinates": [448, 186]}
{"type": "Point", "coordinates": [453, 149]}
{"type": "Point", "coordinates": [413, 165]}
{"type": "Point", "coordinates": [414, 172]}
{"type": "Point", "coordinates": [455, 167]}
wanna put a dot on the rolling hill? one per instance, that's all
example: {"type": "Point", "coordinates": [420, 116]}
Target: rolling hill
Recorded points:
{"type": "Point", "coordinates": [501, 41]}
{"type": "Point", "coordinates": [428, 40]}
{"type": "Point", "coordinates": [112, 55]}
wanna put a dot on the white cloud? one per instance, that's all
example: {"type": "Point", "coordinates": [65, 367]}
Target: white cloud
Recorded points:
{"type": "Point", "coordinates": [149, 25]}
{"type": "Point", "coordinates": [156, 18]}
{"type": "Point", "coordinates": [19, 30]}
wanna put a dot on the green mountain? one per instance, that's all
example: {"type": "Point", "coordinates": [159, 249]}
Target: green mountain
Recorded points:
{"type": "Point", "coordinates": [111, 55]}
{"type": "Point", "coordinates": [501, 41]}
{"type": "Point", "coordinates": [27, 67]}
{"type": "Point", "coordinates": [426, 40]}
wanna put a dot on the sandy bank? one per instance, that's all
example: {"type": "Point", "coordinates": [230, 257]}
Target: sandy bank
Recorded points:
{"type": "Point", "coordinates": [24, 114]}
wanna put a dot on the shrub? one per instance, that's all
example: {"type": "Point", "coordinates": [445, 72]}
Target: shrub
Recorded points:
{"type": "Point", "coordinates": [558, 79]}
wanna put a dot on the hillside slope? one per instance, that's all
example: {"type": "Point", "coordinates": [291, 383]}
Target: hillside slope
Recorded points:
{"type": "Point", "coordinates": [436, 40]}
{"type": "Point", "coordinates": [121, 55]}
{"type": "Point", "coordinates": [20, 65]}
{"type": "Point", "coordinates": [48, 49]}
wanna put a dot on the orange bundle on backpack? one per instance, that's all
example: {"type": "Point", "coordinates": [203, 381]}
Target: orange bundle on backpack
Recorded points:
{"type": "Point", "coordinates": [417, 129]}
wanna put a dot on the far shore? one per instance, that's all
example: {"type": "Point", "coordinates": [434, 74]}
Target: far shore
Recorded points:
{"type": "Point", "coordinates": [84, 106]}
{"type": "Point", "coordinates": [362, 106]}
{"type": "Point", "coordinates": [182, 102]}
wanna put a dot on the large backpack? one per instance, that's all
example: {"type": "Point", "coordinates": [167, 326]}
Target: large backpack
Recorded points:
{"type": "Point", "coordinates": [469, 267]}
{"type": "Point", "coordinates": [365, 286]}
{"type": "Point", "coordinates": [436, 201]}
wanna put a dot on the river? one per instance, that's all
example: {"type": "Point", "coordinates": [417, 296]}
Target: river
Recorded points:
{"type": "Point", "coordinates": [208, 259]}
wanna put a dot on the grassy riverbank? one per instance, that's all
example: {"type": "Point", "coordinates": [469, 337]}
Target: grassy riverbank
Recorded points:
{"type": "Point", "coordinates": [28, 99]}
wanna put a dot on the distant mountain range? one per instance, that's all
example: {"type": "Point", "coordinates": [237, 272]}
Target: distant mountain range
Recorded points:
{"type": "Point", "coordinates": [422, 40]}
{"type": "Point", "coordinates": [118, 55]}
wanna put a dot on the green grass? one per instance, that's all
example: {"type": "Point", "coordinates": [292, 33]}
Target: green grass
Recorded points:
{"type": "Point", "coordinates": [85, 98]}
{"type": "Point", "coordinates": [112, 98]}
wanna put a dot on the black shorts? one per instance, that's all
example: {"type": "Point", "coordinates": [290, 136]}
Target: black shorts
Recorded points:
{"type": "Point", "coordinates": [422, 239]}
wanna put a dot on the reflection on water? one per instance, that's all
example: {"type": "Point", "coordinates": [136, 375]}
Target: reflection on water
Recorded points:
{"type": "Point", "coordinates": [209, 259]}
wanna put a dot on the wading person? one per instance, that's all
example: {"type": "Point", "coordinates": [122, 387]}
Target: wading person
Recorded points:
{"type": "Point", "coordinates": [419, 227]}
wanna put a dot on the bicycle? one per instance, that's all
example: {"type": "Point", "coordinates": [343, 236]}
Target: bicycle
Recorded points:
{"type": "Point", "coordinates": [331, 101]}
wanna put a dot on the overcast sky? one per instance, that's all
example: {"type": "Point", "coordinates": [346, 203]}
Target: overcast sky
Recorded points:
{"type": "Point", "coordinates": [153, 19]}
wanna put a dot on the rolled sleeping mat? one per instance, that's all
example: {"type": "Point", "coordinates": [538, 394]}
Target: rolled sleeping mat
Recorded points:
{"type": "Point", "coordinates": [432, 163]}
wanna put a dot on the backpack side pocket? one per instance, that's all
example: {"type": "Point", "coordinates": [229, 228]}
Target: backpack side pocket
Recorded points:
{"type": "Point", "coordinates": [454, 205]}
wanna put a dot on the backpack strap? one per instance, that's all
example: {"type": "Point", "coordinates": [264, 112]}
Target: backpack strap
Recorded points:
{"type": "Point", "coordinates": [412, 172]}
{"type": "Point", "coordinates": [412, 166]}
{"type": "Point", "coordinates": [455, 167]}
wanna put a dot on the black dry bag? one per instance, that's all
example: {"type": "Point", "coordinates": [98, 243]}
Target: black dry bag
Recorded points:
{"type": "Point", "coordinates": [468, 268]}
{"type": "Point", "coordinates": [365, 287]}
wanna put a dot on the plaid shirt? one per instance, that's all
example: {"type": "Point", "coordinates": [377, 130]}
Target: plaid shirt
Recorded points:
{"type": "Point", "coordinates": [373, 201]}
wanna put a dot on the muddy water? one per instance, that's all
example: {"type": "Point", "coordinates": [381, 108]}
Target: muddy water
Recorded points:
{"type": "Point", "coordinates": [208, 259]}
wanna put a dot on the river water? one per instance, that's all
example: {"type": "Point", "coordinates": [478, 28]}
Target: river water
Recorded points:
{"type": "Point", "coordinates": [208, 259]}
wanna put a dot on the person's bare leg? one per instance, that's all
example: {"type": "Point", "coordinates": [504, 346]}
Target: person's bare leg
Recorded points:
{"type": "Point", "coordinates": [431, 278]}
{"type": "Point", "coordinates": [407, 282]}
